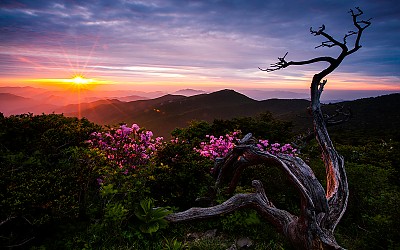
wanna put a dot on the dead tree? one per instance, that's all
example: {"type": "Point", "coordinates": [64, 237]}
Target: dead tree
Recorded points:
{"type": "Point", "coordinates": [321, 210]}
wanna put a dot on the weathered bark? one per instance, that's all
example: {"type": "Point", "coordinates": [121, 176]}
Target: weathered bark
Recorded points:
{"type": "Point", "coordinates": [321, 210]}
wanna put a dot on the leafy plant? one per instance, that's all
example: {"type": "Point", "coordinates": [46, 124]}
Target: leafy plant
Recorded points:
{"type": "Point", "coordinates": [152, 219]}
{"type": "Point", "coordinates": [174, 244]}
{"type": "Point", "coordinates": [181, 175]}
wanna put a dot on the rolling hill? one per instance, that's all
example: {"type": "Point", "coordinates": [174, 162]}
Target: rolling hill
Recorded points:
{"type": "Point", "coordinates": [162, 115]}
{"type": "Point", "coordinates": [377, 117]}
{"type": "Point", "coordinates": [14, 104]}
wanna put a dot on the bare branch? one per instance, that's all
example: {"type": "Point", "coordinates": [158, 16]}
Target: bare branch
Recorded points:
{"type": "Point", "coordinates": [258, 201]}
{"type": "Point", "coordinates": [331, 41]}
{"type": "Point", "coordinates": [361, 25]}
{"type": "Point", "coordinates": [282, 63]}
{"type": "Point", "coordinates": [22, 243]}
{"type": "Point", "coordinates": [276, 66]}
{"type": "Point", "coordinates": [319, 31]}
{"type": "Point", "coordinates": [350, 33]}
{"type": "Point", "coordinates": [7, 220]}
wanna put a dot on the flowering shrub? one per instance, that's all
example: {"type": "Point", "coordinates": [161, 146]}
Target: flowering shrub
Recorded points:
{"type": "Point", "coordinates": [218, 147]}
{"type": "Point", "coordinates": [126, 147]}
{"type": "Point", "coordinates": [276, 148]}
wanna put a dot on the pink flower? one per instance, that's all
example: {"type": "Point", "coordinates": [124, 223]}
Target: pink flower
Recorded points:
{"type": "Point", "coordinates": [126, 130]}
{"type": "Point", "coordinates": [221, 146]}
{"type": "Point", "coordinates": [135, 127]}
{"type": "Point", "coordinates": [100, 181]}
{"type": "Point", "coordinates": [126, 147]}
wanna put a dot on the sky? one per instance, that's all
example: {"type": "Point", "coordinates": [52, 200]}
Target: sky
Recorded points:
{"type": "Point", "coordinates": [167, 45]}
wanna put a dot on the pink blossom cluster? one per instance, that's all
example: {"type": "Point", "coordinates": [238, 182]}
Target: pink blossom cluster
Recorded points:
{"type": "Point", "coordinates": [218, 147]}
{"type": "Point", "coordinates": [126, 147]}
{"type": "Point", "coordinates": [176, 140]}
{"type": "Point", "coordinates": [276, 148]}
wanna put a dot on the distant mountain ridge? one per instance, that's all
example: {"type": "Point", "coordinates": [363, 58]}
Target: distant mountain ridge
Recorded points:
{"type": "Point", "coordinates": [14, 104]}
{"type": "Point", "coordinates": [375, 115]}
{"type": "Point", "coordinates": [162, 115]}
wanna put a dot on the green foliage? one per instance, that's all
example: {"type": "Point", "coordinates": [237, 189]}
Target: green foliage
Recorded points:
{"type": "Point", "coordinates": [152, 219]}
{"type": "Point", "coordinates": [243, 220]}
{"type": "Point", "coordinates": [108, 190]}
{"type": "Point", "coordinates": [115, 213]}
{"type": "Point", "coordinates": [50, 184]}
{"type": "Point", "coordinates": [194, 132]}
{"type": "Point", "coordinates": [263, 126]}
{"type": "Point", "coordinates": [216, 243]}
{"type": "Point", "coordinates": [28, 133]}
{"type": "Point", "coordinates": [180, 176]}
{"type": "Point", "coordinates": [47, 173]}
{"type": "Point", "coordinates": [278, 187]}
{"type": "Point", "coordinates": [372, 216]}
{"type": "Point", "coordinates": [174, 244]}
{"type": "Point", "coordinates": [271, 245]}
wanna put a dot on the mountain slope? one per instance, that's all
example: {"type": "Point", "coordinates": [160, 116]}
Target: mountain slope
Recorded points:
{"type": "Point", "coordinates": [164, 114]}
{"type": "Point", "coordinates": [14, 104]}
{"type": "Point", "coordinates": [118, 112]}
{"type": "Point", "coordinates": [377, 117]}
{"type": "Point", "coordinates": [71, 108]}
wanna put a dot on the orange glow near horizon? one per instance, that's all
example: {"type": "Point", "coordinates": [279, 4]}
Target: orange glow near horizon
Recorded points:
{"type": "Point", "coordinates": [76, 82]}
{"type": "Point", "coordinates": [341, 81]}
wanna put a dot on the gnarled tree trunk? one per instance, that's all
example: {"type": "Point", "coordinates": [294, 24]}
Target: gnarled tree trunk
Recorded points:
{"type": "Point", "coordinates": [321, 210]}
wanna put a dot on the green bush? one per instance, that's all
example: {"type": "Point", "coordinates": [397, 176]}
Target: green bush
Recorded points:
{"type": "Point", "coordinates": [263, 126]}
{"type": "Point", "coordinates": [180, 175]}
{"type": "Point", "coordinates": [46, 173]}
{"type": "Point", "coordinates": [65, 195]}
{"type": "Point", "coordinates": [151, 218]}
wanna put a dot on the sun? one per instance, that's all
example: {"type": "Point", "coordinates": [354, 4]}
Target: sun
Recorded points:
{"type": "Point", "coordinates": [74, 82]}
{"type": "Point", "coordinates": [80, 80]}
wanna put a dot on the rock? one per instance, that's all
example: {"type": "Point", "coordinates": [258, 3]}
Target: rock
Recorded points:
{"type": "Point", "coordinates": [210, 234]}
{"type": "Point", "coordinates": [244, 243]}
{"type": "Point", "coordinates": [206, 235]}
{"type": "Point", "coordinates": [193, 236]}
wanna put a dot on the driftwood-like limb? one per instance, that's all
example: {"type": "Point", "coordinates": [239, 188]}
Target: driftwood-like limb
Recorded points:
{"type": "Point", "coordinates": [314, 205]}
{"type": "Point", "coordinates": [257, 201]}
{"type": "Point", "coordinates": [321, 210]}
